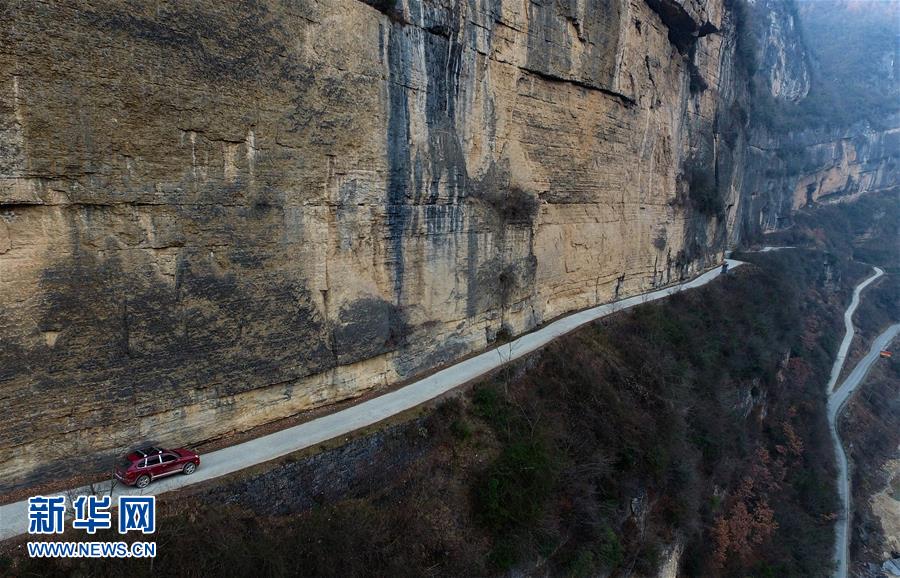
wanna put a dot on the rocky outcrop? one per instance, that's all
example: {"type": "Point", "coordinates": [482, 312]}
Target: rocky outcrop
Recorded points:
{"type": "Point", "coordinates": [215, 217]}
{"type": "Point", "coordinates": [794, 170]}
{"type": "Point", "coordinates": [789, 168]}
{"type": "Point", "coordinates": [783, 60]}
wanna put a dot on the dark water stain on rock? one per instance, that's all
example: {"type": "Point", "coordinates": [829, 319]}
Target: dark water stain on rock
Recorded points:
{"type": "Point", "coordinates": [509, 204]}
{"type": "Point", "coordinates": [443, 58]}
{"type": "Point", "coordinates": [135, 343]}
{"type": "Point", "coordinates": [398, 153]}
{"type": "Point", "coordinates": [502, 279]}
{"type": "Point", "coordinates": [554, 26]}
{"type": "Point", "coordinates": [547, 49]}
{"type": "Point", "coordinates": [368, 327]}
{"type": "Point", "coordinates": [498, 282]}
{"type": "Point", "coordinates": [214, 44]}
{"type": "Point", "coordinates": [444, 161]}
{"type": "Point", "coordinates": [414, 362]}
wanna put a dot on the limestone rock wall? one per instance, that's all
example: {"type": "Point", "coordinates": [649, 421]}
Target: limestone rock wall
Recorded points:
{"type": "Point", "coordinates": [216, 214]}
{"type": "Point", "coordinates": [783, 59]}
{"type": "Point", "coordinates": [786, 172]}
{"type": "Point", "coordinates": [789, 169]}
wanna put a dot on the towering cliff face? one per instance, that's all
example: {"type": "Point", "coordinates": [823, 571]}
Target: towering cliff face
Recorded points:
{"type": "Point", "coordinates": [783, 57]}
{"type": "Point", "coordinates": [826, 124]}
{"type": "Point", "coordinates": [792, 170]}
{"type": "Point", "coordinates": [212, 217]}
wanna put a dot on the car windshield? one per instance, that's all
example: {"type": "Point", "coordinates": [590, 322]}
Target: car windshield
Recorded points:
{"type": "Point", "coordinates": [124, 463]}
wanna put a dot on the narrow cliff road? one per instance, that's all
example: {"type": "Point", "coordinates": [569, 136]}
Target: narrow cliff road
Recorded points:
{"type": "Point", "coordinates": [14, 518]}
{"type": "Point", "coordinates": [836, 401]}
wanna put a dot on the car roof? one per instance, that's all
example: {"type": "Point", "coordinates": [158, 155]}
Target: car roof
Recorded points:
{"type": "Point", "coordinates": [141, 453]}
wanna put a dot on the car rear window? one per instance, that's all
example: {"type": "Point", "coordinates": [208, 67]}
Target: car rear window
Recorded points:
{"type": "Point", "coordinates": [124, 463]}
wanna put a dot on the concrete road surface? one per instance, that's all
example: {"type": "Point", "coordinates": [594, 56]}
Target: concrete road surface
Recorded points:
{"type": "Point", "coordinates": [849, 330]}
{"type": "Point", "coordinates": [835, 404]}
{"type": "Point", "coordinates": [14, 518]}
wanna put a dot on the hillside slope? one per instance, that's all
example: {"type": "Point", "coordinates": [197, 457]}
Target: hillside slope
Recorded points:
{"type": "Point", "coordinates": [690, 431]}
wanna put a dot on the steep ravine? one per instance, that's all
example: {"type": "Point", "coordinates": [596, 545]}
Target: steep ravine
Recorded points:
{"type": "Point", "coordinates": [825, 123]}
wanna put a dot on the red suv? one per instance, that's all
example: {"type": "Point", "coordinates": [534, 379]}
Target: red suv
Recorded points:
{"type": "Point", "coordinates": [142, 466]}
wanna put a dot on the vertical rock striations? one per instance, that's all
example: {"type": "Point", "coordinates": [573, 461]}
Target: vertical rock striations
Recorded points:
{"type": "Point", "coordinates": [213, 217]}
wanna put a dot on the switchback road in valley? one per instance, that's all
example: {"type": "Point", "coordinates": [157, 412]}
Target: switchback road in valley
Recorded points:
{"type": "Point", "coordinates": [836, 402]}
{"type": "Point", "coordinates": [849, 330]}
{"type": "Point", "coordinates": [14, 516]}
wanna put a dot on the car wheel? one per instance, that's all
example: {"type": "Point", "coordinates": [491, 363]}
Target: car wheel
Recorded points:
{"type": "Point", "coordinates": [143, 481]}
{"type": "Point", "coordinates": [189, 468]}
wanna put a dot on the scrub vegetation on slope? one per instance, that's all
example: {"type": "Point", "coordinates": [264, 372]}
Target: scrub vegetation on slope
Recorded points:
{"type": "Point", "coordinates": [696, 421]}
